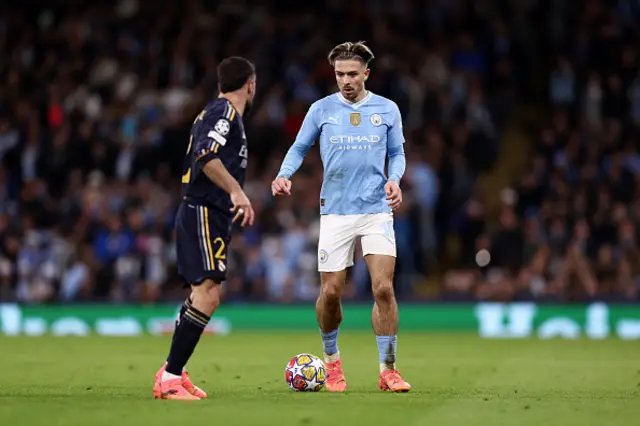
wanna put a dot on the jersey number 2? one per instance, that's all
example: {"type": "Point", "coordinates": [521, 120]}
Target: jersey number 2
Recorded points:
{"type": "Point", "coordinates": [186, 178]}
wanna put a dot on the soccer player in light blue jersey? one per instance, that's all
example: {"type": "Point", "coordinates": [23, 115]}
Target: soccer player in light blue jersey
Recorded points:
{"type": "Point", "coordinates": [358, 130]}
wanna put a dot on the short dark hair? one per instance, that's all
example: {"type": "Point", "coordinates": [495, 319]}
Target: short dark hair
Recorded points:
{"type": "Point", "coordinates": [234, 72]}
{"type": "Point", "coordinates": [349, 50]}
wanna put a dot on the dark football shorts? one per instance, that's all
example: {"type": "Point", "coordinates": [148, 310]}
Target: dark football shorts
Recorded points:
{"type": "Point", "coordinates": [202, 237]}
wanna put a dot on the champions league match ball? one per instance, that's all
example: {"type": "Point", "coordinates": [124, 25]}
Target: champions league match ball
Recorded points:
{"type": "Point", "coordinates": [305, 373]}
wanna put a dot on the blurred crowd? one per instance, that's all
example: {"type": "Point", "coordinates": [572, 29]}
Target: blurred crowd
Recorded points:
{"type": "Point", "coordinates": [568, 229]}
{"type": "Point", "coordinates": [97, 99]}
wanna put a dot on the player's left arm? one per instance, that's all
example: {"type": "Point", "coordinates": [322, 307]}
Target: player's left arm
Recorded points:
{"type": "Point", "coordinates": [209, 146]}
{"type": "Point", "coordinates": [211, 140]}
{"type": "Point", "coordinates": [397, 160]}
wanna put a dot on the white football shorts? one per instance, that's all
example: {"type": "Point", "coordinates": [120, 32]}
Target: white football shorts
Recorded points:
{"type": "Point", "coordinates": [338, 235]}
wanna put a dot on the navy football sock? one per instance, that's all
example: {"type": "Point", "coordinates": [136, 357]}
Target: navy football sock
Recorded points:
{"type": "Point", "coordinates": [186, 305]}
{"type": "Point", "coordinates": [186, 339]}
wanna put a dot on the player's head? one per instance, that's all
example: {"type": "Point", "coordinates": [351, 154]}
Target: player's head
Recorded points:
{"type": "Point", "coordinates": [350, 62]}
{"type": "Point", "coordinates": [237, 75]}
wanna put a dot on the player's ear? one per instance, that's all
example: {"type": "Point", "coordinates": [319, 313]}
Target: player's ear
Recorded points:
{"type": "Point", "coordinates": [366, 74]}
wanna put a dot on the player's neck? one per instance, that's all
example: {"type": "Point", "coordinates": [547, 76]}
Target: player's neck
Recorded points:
{"type": "Point", "coordinates": [358, 98]}
{"type": "Point", "coordinates": [236, 101]}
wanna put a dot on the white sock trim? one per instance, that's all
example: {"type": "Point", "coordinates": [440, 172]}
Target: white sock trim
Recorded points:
{"type": "Point", "coordinates": [384, 367]}
{"type": "Point", "coordinates": [332, 358]}
{"type": "Point", "coordinates": [168, 376]}
{"type": "Point", "coordinates": [184, 369]}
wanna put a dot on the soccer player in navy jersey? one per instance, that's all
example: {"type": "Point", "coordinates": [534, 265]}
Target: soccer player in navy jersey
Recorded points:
{"type": "Point", "coordinates": [212, 199]}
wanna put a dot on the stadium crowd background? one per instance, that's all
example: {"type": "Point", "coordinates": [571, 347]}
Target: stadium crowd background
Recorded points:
{"type": "Point", "coordinates": [97, 98]}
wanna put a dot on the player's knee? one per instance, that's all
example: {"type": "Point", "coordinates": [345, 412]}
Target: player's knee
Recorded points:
{"type": "Point", "coordinates": [208, 295]}
{"type": "Point", "coordinates": [383, 293]}
{"type": "Point", "coordinates": [213, 296]}
{"type": "Point", "coordinates": [331, 292]}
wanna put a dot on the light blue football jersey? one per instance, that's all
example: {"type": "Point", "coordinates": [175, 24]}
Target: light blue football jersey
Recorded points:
{"type": "Point", "coordinates": [355, 141]}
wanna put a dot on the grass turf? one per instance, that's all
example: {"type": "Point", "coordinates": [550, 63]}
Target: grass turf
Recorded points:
{"type": "Point", "coordinates": [457, 380]}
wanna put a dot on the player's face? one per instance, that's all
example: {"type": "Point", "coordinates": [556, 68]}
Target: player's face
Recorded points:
{"type": "Point", "coordinates": [251, 93]}
{"type": "Point", "coordinates": [251, 89]}
{"type": "Point", "coordinates": [351, 75]}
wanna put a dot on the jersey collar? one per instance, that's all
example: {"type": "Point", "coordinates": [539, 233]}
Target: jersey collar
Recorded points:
{"type": "Point", "coordinates": [357, 104]}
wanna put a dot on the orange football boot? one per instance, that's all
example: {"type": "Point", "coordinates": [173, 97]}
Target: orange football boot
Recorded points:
{"type": "Point", "coordinates": [392, 381]}
{"type": "Point", "coordinates": [173, 389]}
{"type": "Point", "coordinates": [191, 388]}
{"type": "Point", "coordinates": [335, 377]}
{"type": "Point", "coordinates": [186, 383]}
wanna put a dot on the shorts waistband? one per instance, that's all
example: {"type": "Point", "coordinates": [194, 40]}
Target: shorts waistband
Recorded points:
{"type": "Point", "coordinates": [196, 202]}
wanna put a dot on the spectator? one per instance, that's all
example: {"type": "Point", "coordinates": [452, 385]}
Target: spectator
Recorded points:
{"type": "Point", "coordinates": [97, 99]}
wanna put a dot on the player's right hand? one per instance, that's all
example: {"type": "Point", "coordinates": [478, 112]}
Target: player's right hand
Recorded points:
{"type": "Point", "coordinates": [281, 186]}
{"type": "Point", "coordinates": [242, 206]}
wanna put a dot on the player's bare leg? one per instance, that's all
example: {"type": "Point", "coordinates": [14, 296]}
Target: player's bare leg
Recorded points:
{"type": "Point", "coordinates": [172, 381]}
{"type": "Point", "coordinates": [329, 314]}
{"type": "Point", "coordinates": [384, 319]}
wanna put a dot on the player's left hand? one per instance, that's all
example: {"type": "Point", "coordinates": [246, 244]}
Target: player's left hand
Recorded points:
{"type": "Point", "coordinates": [394, 194]}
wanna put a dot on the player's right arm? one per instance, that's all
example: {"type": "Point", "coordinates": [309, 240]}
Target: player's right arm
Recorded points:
{"type": "Point", "coordinates": [307, 135]}
{"type": "Point", "coordinates": [207, 159]}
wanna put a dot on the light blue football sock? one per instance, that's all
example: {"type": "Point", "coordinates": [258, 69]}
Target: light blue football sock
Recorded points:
{"type": "Point", "coordinates": [330, 342]}
{"type": "Point", "coordinates": [387, 351]}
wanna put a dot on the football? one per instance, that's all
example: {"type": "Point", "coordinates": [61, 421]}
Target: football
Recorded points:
{"type": "Point", "coordinates": [305, 373]}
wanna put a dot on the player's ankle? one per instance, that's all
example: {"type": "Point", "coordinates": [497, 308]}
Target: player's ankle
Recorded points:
{"type": "Point", "coordinates": [168, 376]}
{"type": "Point", "coordinates": [331, 358]}
{"type": "Point", "coordinates": [386, 367]}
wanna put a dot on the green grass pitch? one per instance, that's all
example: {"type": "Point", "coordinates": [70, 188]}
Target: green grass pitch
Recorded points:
{"type": "Point", "coordinates": [457, 380]}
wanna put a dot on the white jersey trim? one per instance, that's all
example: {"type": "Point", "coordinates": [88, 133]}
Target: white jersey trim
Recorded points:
{"type": "Point", "coordinates": [357, 104]}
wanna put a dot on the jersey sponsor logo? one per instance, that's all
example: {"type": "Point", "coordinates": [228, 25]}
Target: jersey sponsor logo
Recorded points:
{"type": "Point", "coordinates": [222, 126]}
{"type": "Point", "coordinates": [354, 118]}
{"type": "Point", "coordinates": [354, 142]}
{"type": "Point", "coordinates": [376, 120]}
{"type": "Point", "coordinates": [217, 137]}
{"type": "Point", "coordinates": [340, 139]}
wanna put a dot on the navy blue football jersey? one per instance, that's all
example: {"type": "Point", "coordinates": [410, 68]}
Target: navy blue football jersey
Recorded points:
{"type": "Point", "coordinates": [217, 132]}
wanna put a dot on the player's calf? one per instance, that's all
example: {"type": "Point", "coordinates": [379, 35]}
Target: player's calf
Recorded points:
{"type": "Point", "coordinates": [205, 297]}
{"type": "Point", "coordinates": [385, 325]}
{"type": "Point", "coordinates": [385, 321]}
{"type": "Point", "coordinates": [329, 305]}
{"type": "Point", "coordinates": [329, 314]}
